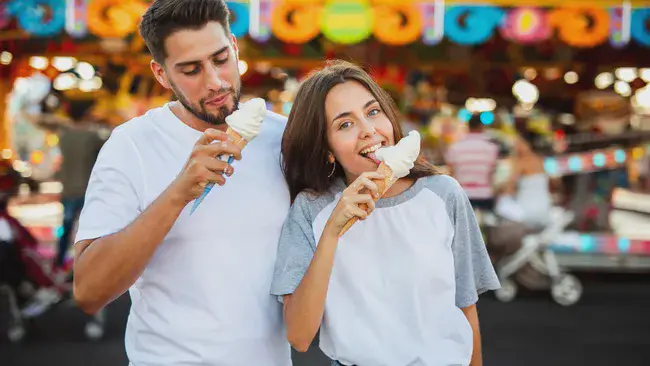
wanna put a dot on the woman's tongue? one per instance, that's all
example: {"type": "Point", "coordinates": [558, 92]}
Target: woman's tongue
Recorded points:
{"type": "Point", "coordinates": [371, 156]}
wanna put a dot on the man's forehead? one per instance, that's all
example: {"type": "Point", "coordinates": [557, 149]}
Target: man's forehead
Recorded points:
{"type": "Point", "coordinates": [195, 44]}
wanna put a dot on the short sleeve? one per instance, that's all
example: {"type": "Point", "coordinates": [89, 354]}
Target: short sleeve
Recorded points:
{"type": "Point", "coordinates": [474, 271]}
{"type": "Point", "coordinates": [295, 249]}
{"type": "Point", "coordinates": [116, 183]}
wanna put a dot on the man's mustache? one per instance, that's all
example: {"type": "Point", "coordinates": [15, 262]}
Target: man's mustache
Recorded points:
{"type": "Point", "coordinates": [218, 92]}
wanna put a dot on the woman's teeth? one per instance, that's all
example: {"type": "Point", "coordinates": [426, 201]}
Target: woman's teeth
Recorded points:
{"type": "Point", "coordinates": [370, 149]}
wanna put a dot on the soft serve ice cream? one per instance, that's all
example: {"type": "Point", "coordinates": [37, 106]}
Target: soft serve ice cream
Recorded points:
{"type": "Point", "coordinates": [401, 157]}
{"type": "Point", "coordinates": [247, 120]}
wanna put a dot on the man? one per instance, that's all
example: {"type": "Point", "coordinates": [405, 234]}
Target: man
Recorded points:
{"type": "Point", "coordinates": [199, 284]}
{"type": "Point", "coordinates": [472, 161]}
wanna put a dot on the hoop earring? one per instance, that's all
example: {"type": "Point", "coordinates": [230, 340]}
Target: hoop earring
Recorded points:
{"type": "Point", "coordinates": [333, 169]}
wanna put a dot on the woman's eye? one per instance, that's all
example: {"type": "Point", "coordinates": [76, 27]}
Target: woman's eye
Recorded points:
{"type": "Point", "coordinates": [344, 125]}
{"type": "Point", "coordinates": [374, 112]}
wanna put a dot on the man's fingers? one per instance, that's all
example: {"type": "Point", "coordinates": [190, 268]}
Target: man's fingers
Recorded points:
{"type": "Point", "coordinates": [218, 148]}
{"type": "Point", "coordinates": [215, 165]}
{"type": "Point", "coordinates": [215, 178]}
{"type": "Point", "coordinates": [211, 135]}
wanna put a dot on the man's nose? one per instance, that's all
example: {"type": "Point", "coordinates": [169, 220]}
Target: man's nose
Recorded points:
{"type": "Point", "coordinates": [213, 79]}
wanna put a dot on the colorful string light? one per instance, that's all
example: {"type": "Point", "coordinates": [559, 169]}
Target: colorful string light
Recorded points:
{"type": "Point", "coordinates": [557, 166]}
{"type": "Point", "coordinates": [600, 244]}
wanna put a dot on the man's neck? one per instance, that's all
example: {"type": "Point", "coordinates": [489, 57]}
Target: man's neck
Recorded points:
{"type": "Point", "coordinates": [191, 120]}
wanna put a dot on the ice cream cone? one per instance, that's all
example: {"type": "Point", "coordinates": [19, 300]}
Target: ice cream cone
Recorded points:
{"type": "Point", "coordinates": [383, 185]}
{"type": "Point", "coordinates": [236, 138]}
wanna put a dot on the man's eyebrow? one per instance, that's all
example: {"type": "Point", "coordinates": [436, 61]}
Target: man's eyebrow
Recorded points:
{"type": "Point", "coordinates": [194, 62]}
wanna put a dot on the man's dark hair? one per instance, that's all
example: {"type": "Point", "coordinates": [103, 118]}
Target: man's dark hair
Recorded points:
{"type": "Point", "coordinates": [475, 123]}
{"type": "Point", "coordinates": [165, 17]}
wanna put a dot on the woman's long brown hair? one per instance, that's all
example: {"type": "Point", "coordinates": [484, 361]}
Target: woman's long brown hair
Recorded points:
{"type": "Point", "coordinates": [305, 150]}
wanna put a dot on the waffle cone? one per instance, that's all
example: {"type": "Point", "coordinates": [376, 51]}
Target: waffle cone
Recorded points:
{"type": "Point", "coordinates": [239, 141]}
{"type": "Point", "coordinates": [383, 185]}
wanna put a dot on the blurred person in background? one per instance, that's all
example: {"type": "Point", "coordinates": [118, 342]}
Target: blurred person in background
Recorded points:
{"type": "Point", "coordinates": [472, 162]}
{"type": "Point", "coordinates": [199, 284]}
{"type": "Point", "coordinates": [80, 144]}
{"type": "Point", "coordinates": [528, 188]}
{"type": "Point", "coordinates": [12, 270]}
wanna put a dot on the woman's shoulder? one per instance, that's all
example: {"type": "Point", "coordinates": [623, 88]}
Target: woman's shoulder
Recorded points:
{"type": "Point", "coordinates": [445, 187]}
{"type": "Point", "coordinates": [309, 203]}
{"type": "Point", "coordinates": [441, 184]}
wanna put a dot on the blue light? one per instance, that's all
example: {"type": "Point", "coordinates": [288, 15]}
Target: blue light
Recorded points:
{"type": "Point", "coordinates": [58, 232]}
{"type": "Point", "coordinates": [464, 115]}
{"type": "Point", "coordinates": [624, 245]}
{"type": "Point", "coordinates": [550, 165]}
{"type": "Point", "coordinates": [587, 243]}
{"type": "Point", "coordinates": [599, 160]}
{"type": "Point", "coordinates": [575, 163]}
{"type": "Point", "coordinates": [619, 156]}
{"type": "Point", "coordinates": [487, 118]}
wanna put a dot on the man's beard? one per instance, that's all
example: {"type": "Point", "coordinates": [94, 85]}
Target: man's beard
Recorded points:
{"type": "Point", "coordinates": [202, 113]}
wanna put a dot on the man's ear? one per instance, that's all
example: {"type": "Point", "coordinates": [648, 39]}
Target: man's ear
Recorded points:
{"type": "Point", "coordinates": [235, 46]}
{"type": "Point", "coordinates": [159, 72]}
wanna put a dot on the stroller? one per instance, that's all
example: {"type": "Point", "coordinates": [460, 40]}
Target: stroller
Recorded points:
{"type": "Point", "coordinates": [27, 278]}
{"type": "Point", "coordinates": [522, 257]}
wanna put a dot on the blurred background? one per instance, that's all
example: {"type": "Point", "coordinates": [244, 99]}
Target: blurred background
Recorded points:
{"type": "Point", "coordinates": [568, 78]}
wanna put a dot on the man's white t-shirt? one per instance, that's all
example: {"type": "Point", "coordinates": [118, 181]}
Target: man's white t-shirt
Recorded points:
{"type": "Point", "coordinates": [203, 299]}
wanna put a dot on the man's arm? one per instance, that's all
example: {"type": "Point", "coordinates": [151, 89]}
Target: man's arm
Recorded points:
{"type": "Point", "coordinates": [106, 267]}
{"type": "Point", "coordinates": [472, 316]}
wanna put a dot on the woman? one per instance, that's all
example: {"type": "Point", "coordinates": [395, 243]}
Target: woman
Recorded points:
{"type": "Point", "coordinates": [529, 184]}
{"type": "Point", "coordinates": [400, 287]}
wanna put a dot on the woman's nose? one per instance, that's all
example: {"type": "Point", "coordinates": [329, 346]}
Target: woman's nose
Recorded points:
{"type": "Point", "coordinates": [367, 128]}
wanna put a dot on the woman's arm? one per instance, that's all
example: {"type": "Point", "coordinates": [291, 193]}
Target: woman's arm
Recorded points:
{"type": "Point", "coordinates": [303, 310]}
{"type": "Point", "coordinates": [472, 317]}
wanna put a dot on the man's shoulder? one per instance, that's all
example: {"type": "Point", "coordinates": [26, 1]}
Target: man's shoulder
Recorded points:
{"type": "Point", "coordinates": [138, 128]}
{"type": "Point", "coordinates": [275, 123]}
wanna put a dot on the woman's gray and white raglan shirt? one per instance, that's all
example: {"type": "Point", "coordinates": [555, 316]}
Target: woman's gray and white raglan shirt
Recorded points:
{"type": "Point", "coordinates": [400, 278]}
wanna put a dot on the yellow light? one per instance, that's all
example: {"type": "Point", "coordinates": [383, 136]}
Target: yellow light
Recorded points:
{"type": "Point", "coordinates": [7, 154]}
{"type": "Point", "coordinates": [52, 140]}
{"type": "Point", "coordinates": [37, 157]}
{"type": "Point", "coordinates": [243, 67]}
{"type": "Point", "coordinates": [637, 153]}
{"type": "Point", "coordinates": [6, 57]}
